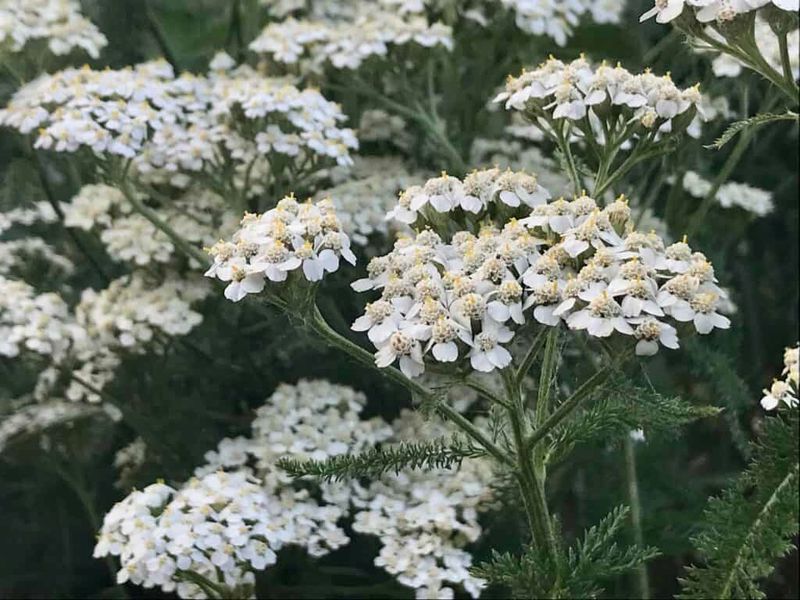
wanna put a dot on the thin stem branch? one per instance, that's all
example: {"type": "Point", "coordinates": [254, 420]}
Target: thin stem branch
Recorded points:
{"type": "Point", "coordinates": [318, 324]}
{"type": "Point", "coordinates": [574, 401]}
{"type": "Point", "coordinates": [148, 213]}
{"type": "Point", "coordinates": [642, 579]}
{"type": "Point", "coordinates": [531, 355]}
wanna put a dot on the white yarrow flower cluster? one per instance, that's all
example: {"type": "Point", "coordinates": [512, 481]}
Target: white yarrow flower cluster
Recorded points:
{"type": "Point", "coordinates": [785, 390]}
{"type": "Point", "coordinates": [556, 90]}
{"type": "Point", "coordinates": [58, 23]}
{"type": "Point", "coordinates": [348, 43]}
{"type": "Point", "coordinates": [706, 11]}
{"type": "Point", "coordinates": [218, 526]}
{"type": "Point", "coordinates": [558, 19]}
{"type": "Point", "coordinates": [425, 519]}
{"type": "Point", "coordinates": [183, 123]}
{"type": "Point", "coordinates": [731, 194]}
{"type": "Point", "coordinates": [292, 236]}
{"type": "Point", "coordinates": [38, 323]}
{"type": "Point", "coordinates": [463, 297]}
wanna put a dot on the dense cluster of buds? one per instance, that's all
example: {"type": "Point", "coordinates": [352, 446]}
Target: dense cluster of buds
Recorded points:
{"type": "Point", "coordinates": [785, 390]}
{"type": "Point", "coordinates": [58, 23]}
{"type": "Point", "coordinates": [293, 235]}
{"type": "Point", "coordinates": [184, 123]}
{"type": "Point", "coordinates": [604, 94]}
{"type": "Point", "coordinates": [446, 298]}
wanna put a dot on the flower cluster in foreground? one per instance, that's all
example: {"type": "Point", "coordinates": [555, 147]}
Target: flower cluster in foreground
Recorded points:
{"type": "Point", "coordinates": [218, 527]}
{"type": "Point", "coordinates": [240, 508]}
{"type": "Point", "coordinates": [462, 295]}
{"type": "Point", "coordinates": [269, 246]}
{"type": "Point", "coordinates": [556, 90]}
{"type": "Point", "coordinates": [706, 11]}
{"type": "Point", "coordinates": [59, 23]}
{"type": "Point", "coordinates": [785, 390]}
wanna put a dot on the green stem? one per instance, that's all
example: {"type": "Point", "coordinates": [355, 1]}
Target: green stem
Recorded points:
{"type": "Point", "coordinates": [725, 172]}
{"type": "Point", "coordinates": [549, 364]}
{"type": "Point", "coordinates": [530, 355]}
{"type": "Point", "coordinates": [786, 61]}
{"type": "Point", "coordinates": [563, 145]}
{"type": "Point", "coordinates": [530, 476]}
{"type": "Point", "coordinates": [642, 579]}
{"type": "Point", "coordinates": [318, 324]}
{"type": "Point", "coordinates": [152, 216]}
{"type": "Point", "coordinates": [574, 401]}
{"type": "Point", "coordinates": [161, 39]}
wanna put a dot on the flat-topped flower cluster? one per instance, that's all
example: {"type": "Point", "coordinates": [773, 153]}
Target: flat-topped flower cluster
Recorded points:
{"type": "Point", "coordinates": [575, 90]}
{"type": "Point", "coordinates": [218, 527]}
{"type": "Point", "coordinates": [706, 11]}
{"type": "Point", "coordinates": [269, 246]}
{"type": "Point", "coordinates": [423, 519]}
{"type": "Point", "coordinates": [184, 123]}
{"type": "Point", "coordinates": [785, 390]}
{"type": "Point", "coordinates": [462, 295]}
{"type": "Point", "coordinates": [58, 23]}
{"type": "Point", "coordinates": [346, 44]}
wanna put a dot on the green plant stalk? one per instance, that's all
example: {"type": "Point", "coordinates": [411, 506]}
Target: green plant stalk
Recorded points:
{"type": "Point", "coordinates": [317, 323]}
{"type": "Point", "coordinates": [530, 475]}
{"type": "Point", "coordinates": [642, 579]}
{"type": "Point", "coordinates": [575, 400]}
{"type": "Point", "coordinates": [563, 145]}
{"type": "Point", "coordinates": [149, 214]}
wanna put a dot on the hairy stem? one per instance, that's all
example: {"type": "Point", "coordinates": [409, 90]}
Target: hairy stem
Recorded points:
{"type": "Point", "coordinates": [642, 579]}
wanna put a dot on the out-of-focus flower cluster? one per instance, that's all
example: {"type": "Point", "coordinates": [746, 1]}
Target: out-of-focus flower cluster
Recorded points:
{"type": "Point", "coordinates": [731, 194]}
{"type": "Point", "coordinates": [349, 32]}
{"type": "Point", "coordinates": [706, 11]}
{"type": "Point", "coordinates": [725, 65]}
{"type": "Point", "coordinates": [367, 194]}
{"type": "Point", "coordinates": [447, 296]}
{"type": "Point", "coordinates": [785, 390]}
{"type": "Point", "coordinates": [58, 23]}
{"type": "Point", "coordinates": [269, 246]}
{"type": "Point", "coordinates": [198, 216]}
{"type": "Point", "coordinates": [590, 96]}
{"type": "Point", "coordinates": [34, 322]}
{"type": "Point", "coordinates": [33, 419]}
{"type": "Point", "coordinates": [347, 44]}
{"type": "Point", "coordinates": [180, 124]}
{"type": "Point", "coordinates": [425, 519]}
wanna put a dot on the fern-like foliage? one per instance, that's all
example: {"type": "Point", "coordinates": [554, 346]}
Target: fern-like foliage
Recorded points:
{"type": "Point", "coordinates": [443, 453]}
{"type": "Point", "coordinates": [750, 526]}
{"type": "Point", "coordinates": [578, 572]}
{"type": "Point", "coordinates": [716, 367]}
{"type": "Point", "coordinates": [757, 121]}
{"type": "Point", "coordinates": [622, 408]}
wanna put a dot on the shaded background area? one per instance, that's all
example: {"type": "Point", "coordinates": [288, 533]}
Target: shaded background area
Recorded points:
{"type": "Point", "coordinates": [184, 402]}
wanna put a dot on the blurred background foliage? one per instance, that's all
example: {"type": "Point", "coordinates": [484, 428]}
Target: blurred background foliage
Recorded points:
{"type": "Point", "coordinates": [206, 385]}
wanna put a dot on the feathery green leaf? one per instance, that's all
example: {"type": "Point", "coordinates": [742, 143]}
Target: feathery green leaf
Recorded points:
{"type": "Point", "coordinates": [757, 121]}
{"type": "Point", "coordinates": [443, 453]}
{"type": "Point", "coordinates": [751, 525]}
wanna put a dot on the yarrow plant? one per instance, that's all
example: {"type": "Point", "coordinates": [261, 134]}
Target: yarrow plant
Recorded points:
{"type": "Point", "coordinates": [310, 298]}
